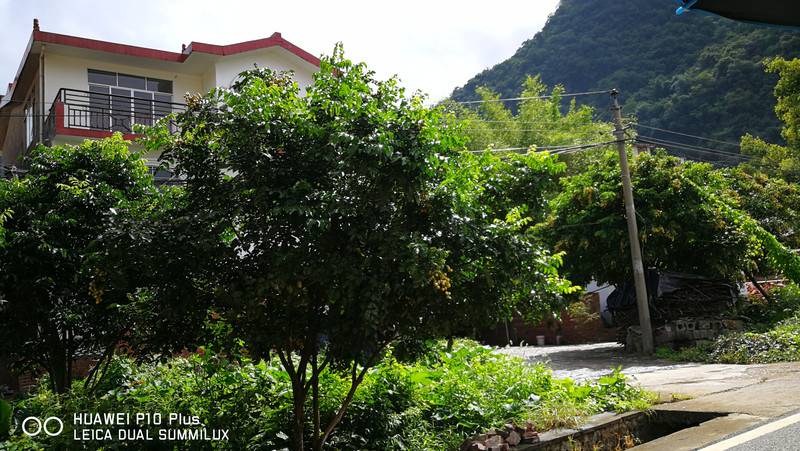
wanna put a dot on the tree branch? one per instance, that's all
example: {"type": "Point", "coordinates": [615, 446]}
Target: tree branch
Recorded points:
{"type": "Point", "coordinates": [355, 379]}
{"type": "Point", "coordinates": [758, 287]}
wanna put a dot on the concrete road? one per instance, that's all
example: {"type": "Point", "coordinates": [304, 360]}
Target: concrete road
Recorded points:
{"type": "Point", "coordinates": [776, 435]}
{"type": "Point", "coordinates": [746, 396]}
{"type": "Point", "coordinates": [590, 361]}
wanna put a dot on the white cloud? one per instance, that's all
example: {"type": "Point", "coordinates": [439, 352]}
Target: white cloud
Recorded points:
{"type": "Point", "coordinates": [433, 46]}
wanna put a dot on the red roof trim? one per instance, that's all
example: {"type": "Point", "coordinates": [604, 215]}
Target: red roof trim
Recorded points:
{"type": "Point", "coordinates": [104, 46]}
{"type": "Point", "coordinates": [142, 52]}
{"type": "Point", "coordinates": [276, 40]}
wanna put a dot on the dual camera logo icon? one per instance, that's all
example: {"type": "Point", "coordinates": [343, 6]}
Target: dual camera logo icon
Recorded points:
{"type": "Point", "coordinates": [33, 426]}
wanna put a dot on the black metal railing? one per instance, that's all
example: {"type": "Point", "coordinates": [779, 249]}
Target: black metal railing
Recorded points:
{"type": "Point", "coordinates": [104, 112]}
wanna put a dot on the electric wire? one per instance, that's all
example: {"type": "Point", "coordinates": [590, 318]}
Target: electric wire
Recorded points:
{"type": "Point", "coordinates": [636, 124]}
{"type": "Point", "coordinates": [511, 99]}
{"type": "Point", "coordinates": [698, 155]}
{"type": "Point", "coordinates": [663, 142]}
{"type": "Point", "coordinates": [556, 150]}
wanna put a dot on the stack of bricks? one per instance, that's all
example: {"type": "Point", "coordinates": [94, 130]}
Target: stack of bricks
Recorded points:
{"type": "Point", "coordinates": [691, 331]}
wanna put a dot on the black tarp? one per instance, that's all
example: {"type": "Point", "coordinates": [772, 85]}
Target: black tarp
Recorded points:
{"type": "Point", "coordinates": [671, 293]}
{"type": "Point", "coordinates": [772, 12]}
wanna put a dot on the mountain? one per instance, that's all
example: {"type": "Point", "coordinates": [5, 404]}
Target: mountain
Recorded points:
{"type": "Point", "coordinates": [694, 73]}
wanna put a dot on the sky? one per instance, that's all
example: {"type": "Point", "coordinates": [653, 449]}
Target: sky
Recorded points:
{"type": "Point", "coordinates": [433, 46]}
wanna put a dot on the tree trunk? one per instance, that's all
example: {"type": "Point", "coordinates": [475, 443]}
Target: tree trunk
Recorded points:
{"type": "Point", "coordinates": [298, 432]}
{"type": "Point", "coordinates": [297, 375]}
{"type": "Point", "coordinates": [315, 369]}
{"type": "Point", "coordinates": [758, 286]}
{"type": "Point", "coordinates": [58, 373]}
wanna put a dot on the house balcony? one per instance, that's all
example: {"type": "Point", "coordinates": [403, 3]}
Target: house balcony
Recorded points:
{"type": "Point", "coordinates": [85, 114]}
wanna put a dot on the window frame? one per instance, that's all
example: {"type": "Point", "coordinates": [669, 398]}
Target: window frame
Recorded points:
{"type": "Point", "coordinates": [153, 106]}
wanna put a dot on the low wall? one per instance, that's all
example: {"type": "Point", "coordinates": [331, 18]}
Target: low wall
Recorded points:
{"type": "Point", "coordinates": [572, 330]}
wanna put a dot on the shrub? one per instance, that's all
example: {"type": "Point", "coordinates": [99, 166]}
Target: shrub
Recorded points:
{"type": "Point", "coordinates": [431, 404]}
{"type": "Point", "coordinates": [785, 303]}
{"type": "Point", "coordinates": [781, 344]}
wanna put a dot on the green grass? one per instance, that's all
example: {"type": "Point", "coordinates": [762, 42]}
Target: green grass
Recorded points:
{"type": "Point", "coordinates": [431, 404]}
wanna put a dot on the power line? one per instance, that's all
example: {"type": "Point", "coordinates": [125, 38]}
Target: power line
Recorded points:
{"type": "Point", "coordinates": [497, 121]}
{"type": "Point", "coordinates": [635, 124]}
{"type": "Point", "coordinates": [510, 99]}
{"type": "Point", "coordinates": [689, 147]}
{"type": "Point", "coordinates": [675, 143]}
{"type": "Point", "coordinates": [719, 156]}
{"type": "Point", "coordinates": [556, 149]}
{"type": "Point", "coordinates": [526, 130]}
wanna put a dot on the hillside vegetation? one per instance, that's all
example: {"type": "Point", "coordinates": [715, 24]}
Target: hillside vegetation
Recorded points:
{"type": "Point", "coordinates": [694, 73]}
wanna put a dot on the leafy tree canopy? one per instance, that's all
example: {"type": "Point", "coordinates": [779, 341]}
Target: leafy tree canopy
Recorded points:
{"type": "Point", "coordinates": [775, 159]}
{"type": "Point", "coordinates": [680, 228]}
{"type": "Point", "coordinates": [540, 122]}
{"type": "Point", "coordinates": [772, 201]}
{"type": "Point", "coordinates": [499, 265]}
{"type": "Point", "coordinates": [329, 221]}
{"type": "Point", "coordinates": [65, 273]}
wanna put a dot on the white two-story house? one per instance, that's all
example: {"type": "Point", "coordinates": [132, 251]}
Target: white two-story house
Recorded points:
{"type": "Point", "coordinates": [69, 88]}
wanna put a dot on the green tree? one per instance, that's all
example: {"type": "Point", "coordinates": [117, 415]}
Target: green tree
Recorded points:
{"type": "Point", "coordinates": [774, 159]}
{"type": "Point", "coordinates": [316, 211]}
{"type": "Point", "coordinates": [772, 201]}
{"type": "Point", "coordinates": [498, 264]}
{"type": "Point", "coordinates": [542, 121]}
{"type": "Point", "coordinates": [331, 224]}
{"type": "Point", "coordinates": [65, 274]}
{"type": "Point", "coordinates": [681, 228]}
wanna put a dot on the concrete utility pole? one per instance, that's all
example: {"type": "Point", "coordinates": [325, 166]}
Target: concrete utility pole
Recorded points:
{"type": "Point", "coordinates": [633, 230]}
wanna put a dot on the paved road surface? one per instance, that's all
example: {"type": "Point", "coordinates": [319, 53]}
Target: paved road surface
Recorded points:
{"type": "Point", "coordinates": [782, 434]}
{"type": "Point", "coordinates": [746, 395]}
{"type": "Point", "coordinates": [590, 361]}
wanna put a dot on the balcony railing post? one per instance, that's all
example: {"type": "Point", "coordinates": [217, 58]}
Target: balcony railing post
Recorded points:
{"type": "Point", "coordinates": [98, 111]}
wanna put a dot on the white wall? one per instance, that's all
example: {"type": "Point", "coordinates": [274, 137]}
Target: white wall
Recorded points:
{"type": "Point", "coordinates": [228, 68]}
{"type": "Point", "coordinates": [602, 292]}
{"type": "Point", "coordinates": [70, 72]}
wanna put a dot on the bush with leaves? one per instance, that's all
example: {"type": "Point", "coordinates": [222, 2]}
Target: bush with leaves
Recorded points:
{"type": "Point", "coordinates": [499, 266]}
{"type": "Point", "coordinates": [780, 344]}
{"type": "Point", "coordinates": [431, 404]}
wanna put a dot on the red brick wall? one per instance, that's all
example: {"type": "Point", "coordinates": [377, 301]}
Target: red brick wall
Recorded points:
{"type": "Point", "coordinates": [572, 331]}
{"type": "Point", "coordinates": [26, 381]}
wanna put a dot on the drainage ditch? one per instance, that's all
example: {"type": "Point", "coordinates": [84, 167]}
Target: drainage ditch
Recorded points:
{"type": "Point", "coordinates": [619, 432]}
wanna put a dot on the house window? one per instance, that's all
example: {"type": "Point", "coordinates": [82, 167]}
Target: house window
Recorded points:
{"type": "Point", "coordinates": [117, 101]}
{"type": "Point", "coordinates": [29, 126]}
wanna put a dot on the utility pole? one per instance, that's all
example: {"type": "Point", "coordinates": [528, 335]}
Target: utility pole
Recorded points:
{"type": "Point", "coordinates": [633, 230]}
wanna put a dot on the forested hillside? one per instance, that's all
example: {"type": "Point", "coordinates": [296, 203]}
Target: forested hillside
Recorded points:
{"type": "Point", "coordinates": [694, 73]}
